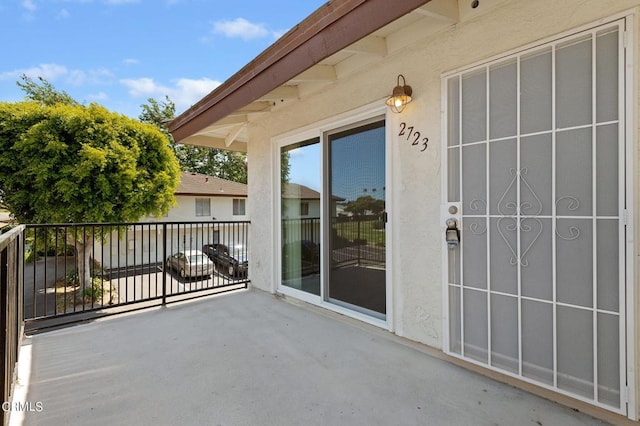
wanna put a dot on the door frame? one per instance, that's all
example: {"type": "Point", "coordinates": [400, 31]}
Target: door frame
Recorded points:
{"type": "Point", "coordinates": [628, 124]}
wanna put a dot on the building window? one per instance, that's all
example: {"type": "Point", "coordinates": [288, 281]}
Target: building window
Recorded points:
{"type": "Point", "coordinates": [304, 208]}
{"type": "Point", "coordinates": [239, 207]}
{"type": "Point", "coordinates": [203, 207]}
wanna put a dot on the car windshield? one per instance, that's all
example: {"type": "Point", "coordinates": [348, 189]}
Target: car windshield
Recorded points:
{"type": "Point", "coordinates": [197, 259]}
{"type": "Point", "coordinates": [240, 256]}
{"type": "Point", "coordinates": [238, 253]}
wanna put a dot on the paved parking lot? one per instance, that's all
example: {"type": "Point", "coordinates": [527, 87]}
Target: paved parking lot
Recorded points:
{"type": "Point", "coordinates": [133, 284]}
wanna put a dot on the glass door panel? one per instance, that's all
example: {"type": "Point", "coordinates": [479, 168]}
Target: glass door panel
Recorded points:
{"type": "Point", "coordinates": [356, 205]}
{"type": "Point", "coordinates": [300, 215]}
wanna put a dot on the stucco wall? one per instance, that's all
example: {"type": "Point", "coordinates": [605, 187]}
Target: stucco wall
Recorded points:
{"type": "Point", "coordinates": [292, 209]}
{"type": "Point", "coordinates": [221, 209]}
{"type": "Point", "coordinates": [496, 28]}
{"type": "Point", "coordinates": [185, 210]}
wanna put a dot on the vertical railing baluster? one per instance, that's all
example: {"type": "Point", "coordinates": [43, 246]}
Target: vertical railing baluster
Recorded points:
{"type": "Point", "coordinates": [164, 268]}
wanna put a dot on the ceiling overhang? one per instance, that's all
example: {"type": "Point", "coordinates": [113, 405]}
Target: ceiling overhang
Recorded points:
{"type": "Point", "coordinates": [339, 35]}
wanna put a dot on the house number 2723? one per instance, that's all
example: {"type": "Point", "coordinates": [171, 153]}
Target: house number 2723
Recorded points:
{"type": "Point", "coordinates": [413, 136]}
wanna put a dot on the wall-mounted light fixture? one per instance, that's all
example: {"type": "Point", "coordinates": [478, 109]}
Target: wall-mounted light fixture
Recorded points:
{"type": "Point", "coordinates": [401, 96]}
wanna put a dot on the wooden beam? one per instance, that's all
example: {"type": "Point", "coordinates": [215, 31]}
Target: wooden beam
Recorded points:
{"type": "Point", "coordinates": [282, 92]}
{"type": "Point", "coordinates": [233, 134]}
{"type": "Point", "coordinates": [255, 106]}
{"type": "Point", "coordinates": [214, 142]}
{"type": "Point", "coordinates": [371, 45]}
{"type": "Point", "coordinates": [443, 10]}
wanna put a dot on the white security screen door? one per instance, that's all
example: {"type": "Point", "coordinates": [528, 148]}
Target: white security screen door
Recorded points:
{"type": "Point", "coordinates": [535, 180]}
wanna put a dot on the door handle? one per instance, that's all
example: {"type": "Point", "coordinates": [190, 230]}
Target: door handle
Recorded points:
{"type": "Point", "coordinates": [452, 233]}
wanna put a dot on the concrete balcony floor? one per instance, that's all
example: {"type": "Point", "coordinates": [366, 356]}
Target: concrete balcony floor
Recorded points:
{"type": "Point", "coordinates": [247, 358]}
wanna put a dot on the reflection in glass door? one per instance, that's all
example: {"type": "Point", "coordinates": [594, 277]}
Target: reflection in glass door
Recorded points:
{"type": "Point", "coordinates": [356, 187]}
{"type": "Point", "coordinates": [300, 215]}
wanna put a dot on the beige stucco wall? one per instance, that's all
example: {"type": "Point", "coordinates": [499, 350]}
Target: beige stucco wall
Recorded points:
{"type": "Point", "coordinates": [185, 210]}
{"type": "Point", "coordinates": [495, 28]}
{"type": "Point", "coordinates": [292, 209]}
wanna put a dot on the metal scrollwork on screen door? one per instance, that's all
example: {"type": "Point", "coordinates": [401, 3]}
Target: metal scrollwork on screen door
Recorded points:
{"type": "Point", "coordinates": [523, 217]}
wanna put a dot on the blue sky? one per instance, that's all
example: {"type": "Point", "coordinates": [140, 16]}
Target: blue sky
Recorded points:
{"type": "Point", "coordinates": [118, 53]}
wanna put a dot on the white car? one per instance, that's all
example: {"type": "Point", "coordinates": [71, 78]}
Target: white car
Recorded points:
{"type": "Point", "coordinates": [191, 263]}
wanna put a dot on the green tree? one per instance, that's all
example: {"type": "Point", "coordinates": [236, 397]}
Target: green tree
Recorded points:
{"type": "Point", "coordinates": [285, 167]}
{"type": "Point", "coordinates": [65, 162]}
{"type": "Point", "coordinates": [159, 114]}
{"type": "Point", "coordinates": [364, 204]}
{"type": "Point", "coordinates": [209, 161]}
{"type": "Point", "coordinates": [44, 92]}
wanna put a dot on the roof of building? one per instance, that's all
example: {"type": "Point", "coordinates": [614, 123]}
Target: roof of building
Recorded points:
{"type": "Point", "coordinates": [199, 184]}
{"type": "Point", "coordinates": [297, 191]}
{"type": "Point", "coordinates": [301, 192]}
{"type": "Point", "coordinates": [267, 79]}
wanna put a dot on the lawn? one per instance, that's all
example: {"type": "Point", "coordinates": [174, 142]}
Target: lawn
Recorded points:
{"type": "Point", "coordinates": [362, 230]}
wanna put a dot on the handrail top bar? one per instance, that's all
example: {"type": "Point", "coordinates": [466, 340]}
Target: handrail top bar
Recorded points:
{"type": "Point", "coordinates": [108, 224]}
{"type": "Point", "coordinates": [10, 235]}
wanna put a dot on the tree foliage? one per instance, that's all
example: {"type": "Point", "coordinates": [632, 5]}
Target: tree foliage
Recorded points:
{"type": "Point", "coordinates": [65, 162]}
{"type": "Point", "coordinates": [285, 167]}
{"type": "Point", "coordinates": [72, 163]}
{"type": "Point", "coordinates": [364, 204]}
{"type": "Point", "coordinates": [44, 92]}
{"type": "Point", "coordinates": [209, 161]}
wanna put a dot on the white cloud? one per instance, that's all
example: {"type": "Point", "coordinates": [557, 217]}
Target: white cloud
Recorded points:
{"type": "Point", "coordinates": [130, 61]}
{"type": "Point", "coordinates": [96, 76]}
{"type": "Point", "coordinates": [100, 96]}
{"type": "Point", "coordinates": [112, 2]}
{"type": "Point", "coordinates": [47, 71]}
{"type": "Point", "coordinates": [29, 5]}
{"type": "Point", "coordinates": [240, 28]}
{"type": "Point", "coordinates": [298, 152]}
{"type": "Point", "coordinates": [63, 14]}
{"type": "Point", "coordinates": [121, 1]}
{"type": "Point", "coordinates": [53, 72]}
{"type": "Point", "coordinates": [184, 93]}
{"type": "Point", "coordinates": [277, 34]}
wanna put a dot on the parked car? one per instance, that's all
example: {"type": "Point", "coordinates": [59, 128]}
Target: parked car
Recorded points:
{"type": "Point", "coordinates": [232, 260]}
{"type": "Point", "coordinates": [191, 263]}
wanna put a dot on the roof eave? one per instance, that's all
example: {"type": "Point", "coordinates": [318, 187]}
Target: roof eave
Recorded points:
{"type": "Point", "coordinates": [331, 28]}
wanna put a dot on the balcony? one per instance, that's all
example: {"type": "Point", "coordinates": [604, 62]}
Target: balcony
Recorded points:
{"type": "Point", "coordinates": [243, 357]}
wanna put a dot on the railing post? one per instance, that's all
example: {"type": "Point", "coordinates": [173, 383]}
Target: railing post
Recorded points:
{"type": "Point", "coordinates": [164, 266]}
{"type": "Point", "coordinates": [359, 240]}
{"type": "Point", "coordinates": [4, 285]}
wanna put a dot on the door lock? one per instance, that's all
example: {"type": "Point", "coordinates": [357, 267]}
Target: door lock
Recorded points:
{"type": "Point", "coordinates": [452, 234]}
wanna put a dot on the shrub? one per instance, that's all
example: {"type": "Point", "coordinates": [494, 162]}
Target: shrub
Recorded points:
{"type": "Point", "coordinates": [93, 293]}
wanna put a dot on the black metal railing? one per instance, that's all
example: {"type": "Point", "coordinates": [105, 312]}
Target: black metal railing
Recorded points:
{"type": "Point", "coordinates": [358, 240]}
{"type": "Point", "coordinates": [11, 298]}
{"type": "Point", "coordinates": [74, 272]}
{"type": "Point", "coordinates": [294, 230]}
{"type": "Point", "coordinates": [354, 240]}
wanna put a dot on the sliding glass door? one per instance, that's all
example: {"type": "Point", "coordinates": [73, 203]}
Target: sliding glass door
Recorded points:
{"type": "Point", "coordinates": [356, 217]}
{"type": "Point", "coordinates": [333, 217]}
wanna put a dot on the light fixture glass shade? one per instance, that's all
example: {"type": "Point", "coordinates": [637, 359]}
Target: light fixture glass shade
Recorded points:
{"type": "Point", "coordinates": [401, 96]}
